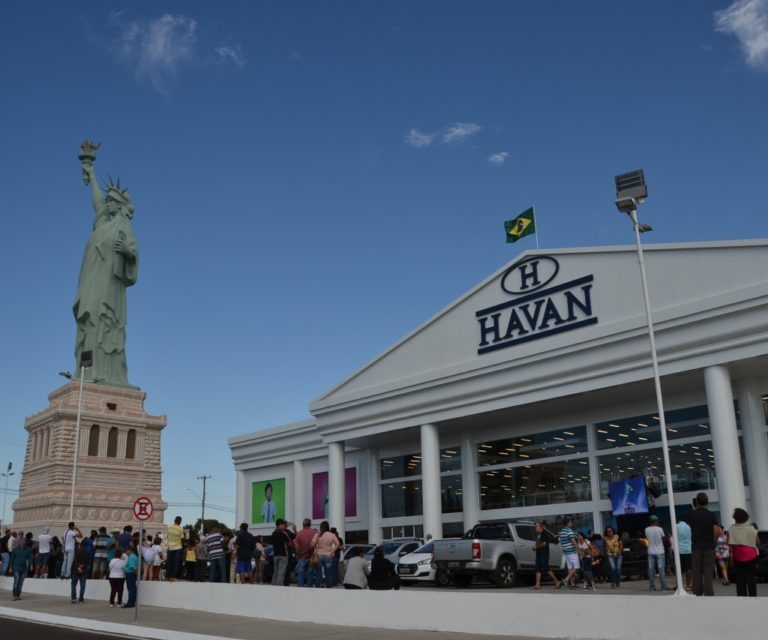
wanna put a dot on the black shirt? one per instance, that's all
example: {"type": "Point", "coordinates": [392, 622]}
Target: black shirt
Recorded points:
{"type": "Point", "coordinates": [702, 522]}
{"type": "Point", "coordinates": [381, 570]}
{"type": "Point", "coordinates": [543, 550]}
{"type": "Point", "coordinates": [280, 541]}
{"type": "Point", "coordinates": [244, 542]}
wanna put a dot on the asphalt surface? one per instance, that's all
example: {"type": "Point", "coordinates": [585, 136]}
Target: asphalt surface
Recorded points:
{"type": "Point", "coordinates": [19, 630]}
{"type": "Point", "coordinates": [181, 623]}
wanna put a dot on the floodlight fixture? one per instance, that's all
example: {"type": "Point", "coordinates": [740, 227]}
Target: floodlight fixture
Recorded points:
{"type": "Point", "coordinates": [631, 190]}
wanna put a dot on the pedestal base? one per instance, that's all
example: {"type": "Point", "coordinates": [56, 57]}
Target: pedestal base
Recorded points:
{"type": "Point", "coordinates": [118, 461]}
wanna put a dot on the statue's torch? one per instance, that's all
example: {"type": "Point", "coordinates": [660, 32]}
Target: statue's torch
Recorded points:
{"type": "Point", "coordinates": [87, 157]}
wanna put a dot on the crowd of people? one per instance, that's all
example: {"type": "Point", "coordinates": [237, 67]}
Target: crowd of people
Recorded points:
{"type": "Point", "coordinates": [314, 555]}
{"type": "Point", "coordinates": [706, 549]}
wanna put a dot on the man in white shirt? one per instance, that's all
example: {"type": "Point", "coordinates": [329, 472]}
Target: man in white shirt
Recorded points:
{"type": "Point", "coordinates": [655, 536]}
{"type": "Point", "coordinates": [71, 536]}
{"type": "Point", "coordinates": [44, 549]}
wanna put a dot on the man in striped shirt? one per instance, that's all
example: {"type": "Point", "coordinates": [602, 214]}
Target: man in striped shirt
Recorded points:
{"type": "Point", "coordinates": [100, 553]}
{"type": "Point", "coordinates": [567, 542]}
{"type": "Point", "coordinates": [216, 557]}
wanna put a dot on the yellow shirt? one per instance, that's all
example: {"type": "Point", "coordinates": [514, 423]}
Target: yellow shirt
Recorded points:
{"type": "Point", "coordinates": [175, 536]}
{"type": "Point", "coordinates": [190, 556]}
{"type": "Point", "coordinates": [614, 546]}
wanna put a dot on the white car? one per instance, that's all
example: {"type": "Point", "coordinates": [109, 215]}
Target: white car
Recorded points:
{"type": "Point", "coordinates": [417, 567]}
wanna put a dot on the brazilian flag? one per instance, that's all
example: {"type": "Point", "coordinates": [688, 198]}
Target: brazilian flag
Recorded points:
{"type": "Point", "coordinates": [523, 225]}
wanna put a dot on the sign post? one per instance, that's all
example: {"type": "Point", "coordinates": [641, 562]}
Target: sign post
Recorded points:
{"type": "Point", "coordinates": [142, 509]}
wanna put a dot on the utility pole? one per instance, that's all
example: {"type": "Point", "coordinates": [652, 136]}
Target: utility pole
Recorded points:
{"type": "Point", "coordinates": [202, 517]}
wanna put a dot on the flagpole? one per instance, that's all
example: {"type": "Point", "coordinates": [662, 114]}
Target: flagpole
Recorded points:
{"type": "Point", "coordinates": [536, 222]}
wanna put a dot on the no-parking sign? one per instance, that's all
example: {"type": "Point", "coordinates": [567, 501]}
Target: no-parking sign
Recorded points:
{"type": "Point", "coordinates": [143, 508]}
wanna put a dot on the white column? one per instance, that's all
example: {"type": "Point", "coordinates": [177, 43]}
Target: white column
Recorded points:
{"type": "Point", "coordinates": [430, 481]}
{"type": "Point", "coordinates": [755, 450]}
{"type": "Point", "coordinates": [336, 486]}
{"type": "Point", "coordinates": [298, 508]}
{"type": "Point", "coordinates": [46, 442]}
{"type": "Point", "coordinates": [469, 487]}
{"type": "Point", "coordinates": [374, 497]}
{"type": "Point", "coordinates": [243, 502]}
{"type": "Point", "coordinates": [725, 441]}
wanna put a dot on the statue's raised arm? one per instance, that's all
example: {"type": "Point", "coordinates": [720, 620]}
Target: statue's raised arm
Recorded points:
{"type": "Point", "coordinates": [110, 265]}
{"type": "Point", "coordinates": [87, 157]}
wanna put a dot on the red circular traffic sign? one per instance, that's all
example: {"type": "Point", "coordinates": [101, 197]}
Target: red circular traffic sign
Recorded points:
{"type": "Point", "coordinates": [143, 508]}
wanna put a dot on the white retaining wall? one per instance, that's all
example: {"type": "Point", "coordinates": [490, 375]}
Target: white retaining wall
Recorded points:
{"type": "Point", "coordinates": [603, 616]}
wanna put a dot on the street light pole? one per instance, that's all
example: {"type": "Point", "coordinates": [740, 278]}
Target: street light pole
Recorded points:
{"type": "Point", "coordinates": [86, 360]}
{"type": "Point", "coordinates": [7, 475]}
{"type": "Point", "coordinates": [77, 445]}
{"type": "Point", "coordinates": [631, 191]}
{"type": "Point", "coordinates": [202, 517]}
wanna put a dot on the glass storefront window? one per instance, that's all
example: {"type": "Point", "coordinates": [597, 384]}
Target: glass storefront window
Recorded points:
{"type": "Point", "coordinates": [450, 494]}
{"type": "Point", "coordinates": [410, 465]}
{"type": "Point", "coordinates": [581, 521]}
{"type": "Point", "coordinates": [529, 485]}
{"type": "Point", "coordinates": [450, 459]}
{"type": "Point", "coordinates": [401, 466]}
{"type": "Point", "coordinates": [681, 423]}
{"type": "Point", "coordinates": [693, 466]}
{"type": "Point", "coordinates": [453, 529]}
{"type": "Point", "coordinates": [536, 446]}
{"type": "Point", "coordinates": [400, 499]}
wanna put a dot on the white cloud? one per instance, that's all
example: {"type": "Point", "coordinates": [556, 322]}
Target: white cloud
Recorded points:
{"type": "Point", "coordinates": [157, 47]}
{"type": "Point", "coordinates": [748, 21]}
{"type": "Point", "coordinates": [498, 158]}
{"type": "Point", "coordinates": [458, 132]}
{"type": "Point", "coordinates": [419, 139]}
{"type": "Point", "coordinates": [233, 54]}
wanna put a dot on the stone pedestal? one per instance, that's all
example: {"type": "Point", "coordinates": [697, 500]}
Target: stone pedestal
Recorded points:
{"type": "Point", "coordinates": [118, 461]}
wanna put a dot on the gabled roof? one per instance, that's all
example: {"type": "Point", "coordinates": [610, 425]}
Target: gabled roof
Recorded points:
{"type": "Point", "coordinates": [686, 281]}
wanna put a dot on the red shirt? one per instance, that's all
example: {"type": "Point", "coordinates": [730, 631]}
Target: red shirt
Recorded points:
{"type": "Point", "coordinates": [304, 543]}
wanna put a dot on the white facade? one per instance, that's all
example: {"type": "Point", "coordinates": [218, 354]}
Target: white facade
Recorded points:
{"type": "Point", "coordinates": [531, 392]}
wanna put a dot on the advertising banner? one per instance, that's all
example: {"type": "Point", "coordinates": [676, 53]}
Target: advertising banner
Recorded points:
{"type": "Point", "coordinates": [268, 501]}
{"type": "Point", "coordinates": [628, 496]}
{"type": "Point", "coordinates": [320, 494]}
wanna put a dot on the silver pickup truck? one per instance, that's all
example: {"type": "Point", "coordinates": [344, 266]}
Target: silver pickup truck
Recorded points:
{"type": "Point", "coordinates": [498, 552]}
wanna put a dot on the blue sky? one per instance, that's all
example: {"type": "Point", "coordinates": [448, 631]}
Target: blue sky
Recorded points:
{"type": "Point", "coordinates": [312, 180]}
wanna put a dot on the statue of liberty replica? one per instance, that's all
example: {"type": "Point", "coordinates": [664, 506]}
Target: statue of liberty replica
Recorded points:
{"type": "Point", "coordinates": [94, 450]}
{"type": "Point", "coordinates": [110, 265]}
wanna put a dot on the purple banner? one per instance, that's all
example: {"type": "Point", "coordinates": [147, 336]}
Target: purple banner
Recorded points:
{"type": "Point", "coordinates": [320, 494]}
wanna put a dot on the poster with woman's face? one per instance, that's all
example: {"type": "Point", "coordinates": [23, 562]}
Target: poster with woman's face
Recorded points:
{"type": "Point", "coordinates": [268, 501]}
{"type": "Point", "coordinates": [320, 494]}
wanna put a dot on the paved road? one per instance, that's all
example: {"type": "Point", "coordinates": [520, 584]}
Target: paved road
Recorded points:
{"type": "Point", "coordinates": [19, 630]}
{"type": "Point", "coordinates": [182, 622]}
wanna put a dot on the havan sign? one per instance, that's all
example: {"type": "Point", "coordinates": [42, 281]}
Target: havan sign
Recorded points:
{"type": "Point", "coordinates": [537, 310]}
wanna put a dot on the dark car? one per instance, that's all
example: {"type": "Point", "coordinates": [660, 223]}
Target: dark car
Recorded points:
{"type": "Point", "coordinates": [762, 558]}
{"type": "Point", "coordinates": [634, 559]}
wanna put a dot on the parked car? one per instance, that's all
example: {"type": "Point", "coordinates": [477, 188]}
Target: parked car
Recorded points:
{"type": "Point", "coordinates": [762, 558]}
{"type": "Point", "coordinates": [395, 549]}
{"type": "Point", "coordinates": [418, 567]}
{"type": "Point", "coordinates": [497, 551]}
{"type": "Point", "coordinates": [350, 551]}
{"type": "Point", "coordinates": [634, 561]}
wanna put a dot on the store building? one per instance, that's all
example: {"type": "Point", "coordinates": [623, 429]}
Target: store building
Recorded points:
{"type": "Point", "coordinates": [529, 394]}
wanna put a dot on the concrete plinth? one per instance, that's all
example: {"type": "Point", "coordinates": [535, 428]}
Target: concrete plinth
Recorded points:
{"type": "Point", "coordinates": [118, 461]}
